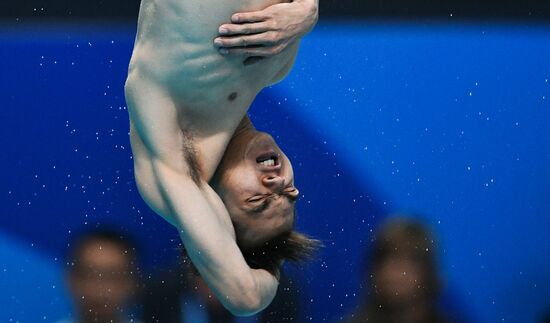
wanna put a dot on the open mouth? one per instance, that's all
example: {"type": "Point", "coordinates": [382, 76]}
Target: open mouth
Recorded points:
{"type": "Point", "coordinates": [269, 159]}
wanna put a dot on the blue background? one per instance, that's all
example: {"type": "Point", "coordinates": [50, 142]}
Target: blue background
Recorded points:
{"type": "Point", "coordinates": [447, 121]}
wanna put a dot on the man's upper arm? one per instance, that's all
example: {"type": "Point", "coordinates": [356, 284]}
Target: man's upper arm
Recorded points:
{"type": "Point", "coordinates": [154, 117]}
{"type": "Point", "coordinates": [154, 134]}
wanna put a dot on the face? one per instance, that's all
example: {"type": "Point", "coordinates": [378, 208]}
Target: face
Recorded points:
{"type": "Point", "coordinates": [101, 281]}
{"type": "Point", "coordinates": [256, 183]}
{"type": "Point", "coordinates": [399, 279]}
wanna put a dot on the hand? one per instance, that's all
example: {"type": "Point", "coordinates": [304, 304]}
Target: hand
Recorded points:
{"type": "Point", "coordinates": [267, 32]}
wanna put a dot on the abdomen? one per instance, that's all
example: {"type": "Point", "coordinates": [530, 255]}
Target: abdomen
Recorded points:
{"type": "Point", "coordinates": [175, 47]}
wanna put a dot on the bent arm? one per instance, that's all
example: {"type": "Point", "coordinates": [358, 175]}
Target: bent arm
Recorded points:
{"type": "Point", "coordinates": [210, 243]}
{"type": "Point", "coordinates": [270, 31]}
{"type": "Point", "coordinates": [204, 226]}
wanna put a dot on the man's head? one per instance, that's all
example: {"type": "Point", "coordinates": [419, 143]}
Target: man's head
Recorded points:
{"type": "Point", "coordinates": [101, 273]}
{"type": "Point", "coordinates": [255, 180]}
{"type": "Point", "coordinates": [256, 183]}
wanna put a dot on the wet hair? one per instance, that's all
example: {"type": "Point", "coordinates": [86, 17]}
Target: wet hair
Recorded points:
{"type": "Point", "coordinates": [291, 246]}
{"type": "Point", "coordinates": [109, 235]}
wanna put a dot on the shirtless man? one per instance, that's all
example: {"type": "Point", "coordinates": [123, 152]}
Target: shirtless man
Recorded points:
{"type": "Point", "coordinates": [192, 77]}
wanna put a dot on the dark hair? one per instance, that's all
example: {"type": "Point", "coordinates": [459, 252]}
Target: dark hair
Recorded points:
{"type": "Point", "coordinates": [83, 239]}
{"type": "Point", "coordinates": [401, 236]}
{"type": "Point", "coordinates": [292, 246]}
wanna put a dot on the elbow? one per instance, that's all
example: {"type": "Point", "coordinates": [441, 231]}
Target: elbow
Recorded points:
{"type": "Point", "coordinates": [313, 14]}
{"type": "Point", "coordinates": [247, 305]}
{"type": "Point", "coordinates": [248, 301]}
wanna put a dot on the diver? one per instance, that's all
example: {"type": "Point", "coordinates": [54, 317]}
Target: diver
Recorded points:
{"type": "Point", "coordinates": [198, 160]}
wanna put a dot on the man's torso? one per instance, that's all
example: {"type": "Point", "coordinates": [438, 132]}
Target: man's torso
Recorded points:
{"type": "Point", "coordinates": [174, 50]}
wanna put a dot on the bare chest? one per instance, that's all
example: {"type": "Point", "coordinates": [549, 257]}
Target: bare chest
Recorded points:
{"type": "Point", "coordinates": [175, 46]}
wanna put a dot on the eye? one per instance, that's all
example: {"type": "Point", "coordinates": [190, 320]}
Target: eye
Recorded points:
{"type": "Point", "coordinates": [255, 199]}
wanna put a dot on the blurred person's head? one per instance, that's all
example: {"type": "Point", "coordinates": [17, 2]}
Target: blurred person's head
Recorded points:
{"type": "Point", "coordinates": [102, 275]}
{"type": "Point", "coordinates": [404, 261]}
{"type": "Point", "coordinates": [404, 280]}
{"type": "Point", "coordinates": [255, 181]}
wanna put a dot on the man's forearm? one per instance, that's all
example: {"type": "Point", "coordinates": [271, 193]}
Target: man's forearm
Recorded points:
{"type": "Point", "coordinates": [269, 31]}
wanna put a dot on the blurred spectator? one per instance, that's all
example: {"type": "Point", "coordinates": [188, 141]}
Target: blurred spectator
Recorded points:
{"type": "Point", "coordinates": [102, 277]}
{"type": "Point", "coordinates": [179, 295]}
{"type": "Point", "coordinates": [404, 284]}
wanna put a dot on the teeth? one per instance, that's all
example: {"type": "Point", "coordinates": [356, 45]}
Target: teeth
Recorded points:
{"type": "Point", "coordinates": [269, 162]}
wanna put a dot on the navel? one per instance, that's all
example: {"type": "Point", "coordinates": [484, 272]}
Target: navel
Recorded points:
{"type": "Point", "coordinates": [232, 96]}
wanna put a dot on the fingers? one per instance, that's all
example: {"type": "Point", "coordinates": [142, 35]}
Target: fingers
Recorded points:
{"type": "Point", "coordinates": [244, 29]}
{"type": "Point", "coordinates": [254, 16]}
{"type": "Point", "coordinates": [263, 39]}
{"type": "Point", "coordinates": [252, 34]}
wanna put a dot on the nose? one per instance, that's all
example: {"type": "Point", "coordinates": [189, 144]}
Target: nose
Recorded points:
{"type": "Point", "coordinates": [274, 182]}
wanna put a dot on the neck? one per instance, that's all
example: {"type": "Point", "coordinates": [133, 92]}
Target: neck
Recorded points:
{"type": "Point", "coordinates": [245, 132]}
{"type": "Point", "coordinates": [242, 133]}
{"type": "Point", "coordinates": [245, 126]}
